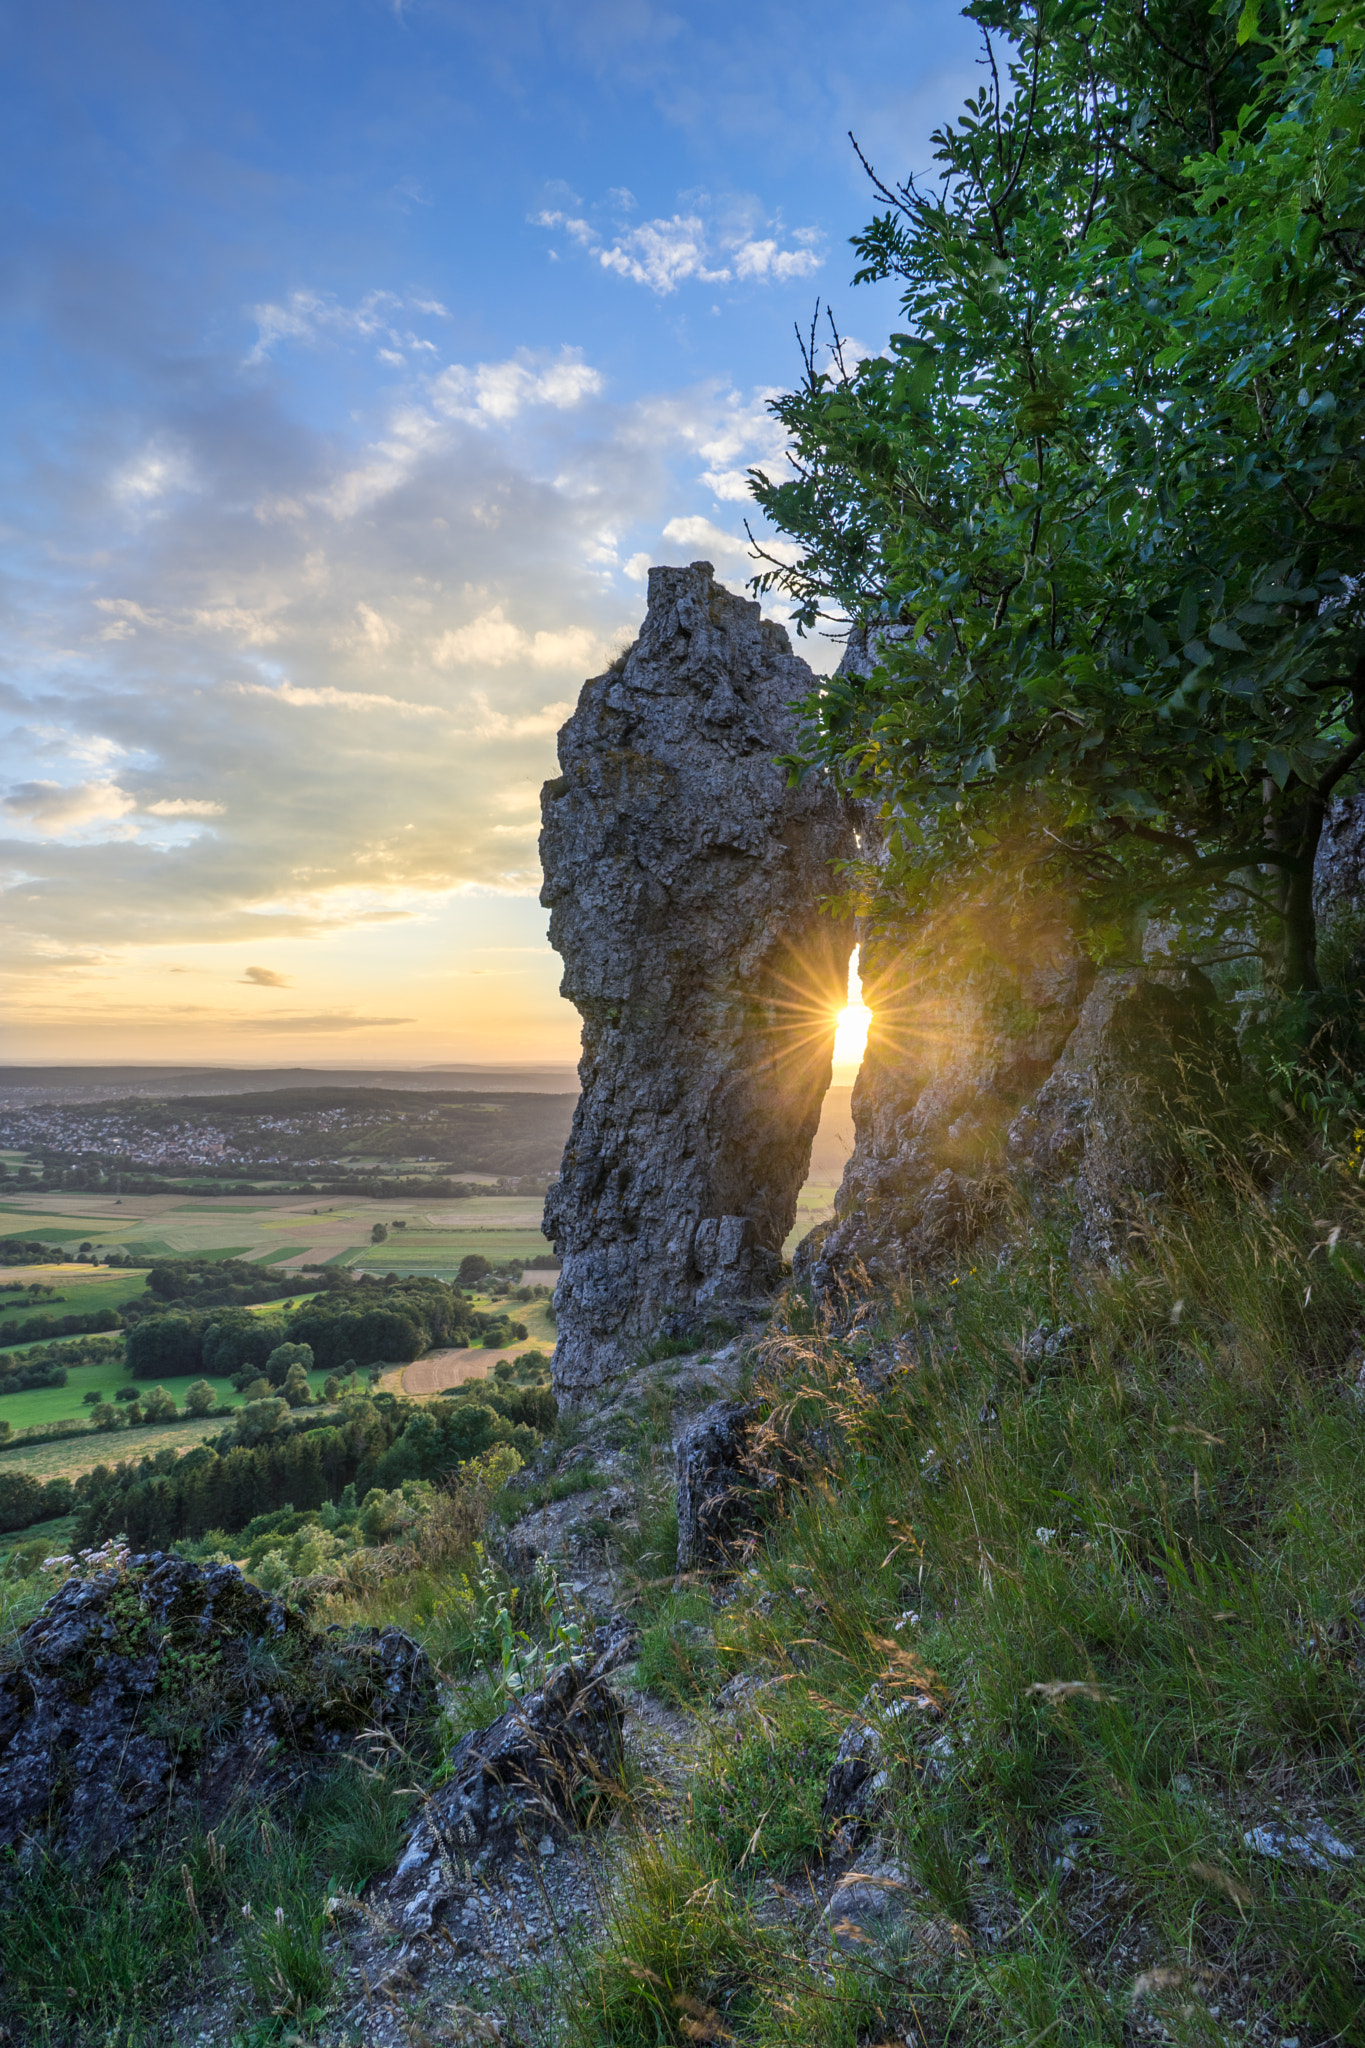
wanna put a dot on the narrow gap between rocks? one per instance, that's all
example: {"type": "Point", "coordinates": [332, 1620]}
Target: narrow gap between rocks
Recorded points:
{"type": "Point", "coordinates": [834, 1134]}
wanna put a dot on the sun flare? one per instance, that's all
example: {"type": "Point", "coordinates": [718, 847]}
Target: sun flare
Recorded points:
{"type": "Point", "coordinates": [850, 1029]}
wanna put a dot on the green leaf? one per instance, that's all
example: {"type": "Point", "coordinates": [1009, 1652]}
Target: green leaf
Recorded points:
{"type": "Point", "coordinates": [1249, 22]}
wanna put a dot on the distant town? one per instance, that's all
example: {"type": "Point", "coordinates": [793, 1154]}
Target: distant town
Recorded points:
{"type": "Point", "coordinates": [516, 1139]}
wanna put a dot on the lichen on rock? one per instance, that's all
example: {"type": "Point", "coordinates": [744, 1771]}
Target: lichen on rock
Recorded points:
{"type": "Point", "coordinates": [685, 877]}
{"type": "Point", "coordinates": [148, 1679]}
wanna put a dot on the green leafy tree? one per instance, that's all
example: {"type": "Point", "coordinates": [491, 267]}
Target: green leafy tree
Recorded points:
{"type": "Point", "coordinates": [259, 1420]}
{"type": "Point", "coordinates": [157, 1406]}
{"type": "Point", "coordinates": [296, 1390]}
{"type": "Point", "coordinates": [473, 1268]}
{"type": "Point", "coordinates": [1102, 498]}
{"type": "Point", "coordinates": [283, 1360]}
{"type": "Point", "coordinates": [165, 1347]}
{"type": "Point", "coordinates": [200, 1397]}
{"type": "Point", "coordinates": [378, 1233]}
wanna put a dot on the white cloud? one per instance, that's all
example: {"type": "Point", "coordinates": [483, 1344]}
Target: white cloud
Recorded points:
{"type": "Point", "coordinates": [497, 725]}
{"type": "Point", "coordinates": [710, 542]}
{"type": "Point", "coordinates": [767, 260]}
{"type": "Point", "coordinates": [328, 696]}
{"type": "Point", "coordinates": [265, 977]}
{"type": "Point", "coordinates": [663, 254]}
{"type": "Point", "coordinates": [378, 631]}
{"type": "Point", "coordinates": [328, 1020]}
{"type": "Point", "coordinates": [306, 316]}
{"type": "Point", "coordinates": [498, 392]}
{"type": "Point", "coordinates": [94, 750]}
{"type": "Point", "coordinates": [494, 641]}
{"type": "Point", "coordinates": [251, 626]}
{"type": "Point", "coordinates": [57, 807]}
{"type": "Point", "coordinates": [444, 581]}
{"type": "Point", "coordinates": [159, 469]}
{"type": "Point", "coordinates": [692, 247]}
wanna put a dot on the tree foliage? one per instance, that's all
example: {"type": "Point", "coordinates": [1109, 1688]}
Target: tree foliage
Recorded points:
{"type": "Point", "coordinates": [1102, 498]}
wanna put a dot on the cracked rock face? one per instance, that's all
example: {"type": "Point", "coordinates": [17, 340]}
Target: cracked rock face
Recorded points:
{"type": "Point", "coordinates": [950, 1060]}
{"type": "Point", "coordinates": [684, 881]}
{"type": "Point", "coordinates": [1149, 1053]}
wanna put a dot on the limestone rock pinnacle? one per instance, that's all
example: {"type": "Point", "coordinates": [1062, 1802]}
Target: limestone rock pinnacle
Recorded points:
{"type": "Point", "coordinates": [684, 879]}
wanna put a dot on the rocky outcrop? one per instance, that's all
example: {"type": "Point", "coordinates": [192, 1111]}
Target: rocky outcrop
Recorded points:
{"type": "Point", "coordinates": [1339, 870]}
{"type": "Point", "coordinates": [1045, 1078]}
{"type": "Point", "coordinates": [684, 878]}
{"type": "Point", "coordinates": [1150, 1056]}
{"type": "Point", "coordinates": [952, 1055]}
{"type": "Point", "coordinates": [540, 1767]}
{"type": "Point", "coordinates": [155, 1678]}
{"type": "Point", "coordinates": [720, 1495]}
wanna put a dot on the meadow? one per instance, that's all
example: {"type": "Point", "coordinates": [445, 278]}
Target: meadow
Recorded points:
{"type": "Point", "coordinates": [288, 1231]}
{"type": "Point", "coordinates": [81, 1290]}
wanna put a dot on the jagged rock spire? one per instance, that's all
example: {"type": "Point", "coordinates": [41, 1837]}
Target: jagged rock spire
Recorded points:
{"type": "Point", "coordinates": [684, 878]}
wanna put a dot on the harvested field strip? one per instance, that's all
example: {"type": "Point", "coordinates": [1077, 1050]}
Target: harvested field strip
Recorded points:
{"type": "Point", "coordinates": [442, 1369]}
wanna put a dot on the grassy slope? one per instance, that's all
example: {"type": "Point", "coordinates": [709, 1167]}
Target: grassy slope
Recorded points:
{"type": "Point", "coordinates": [1129, 1578]}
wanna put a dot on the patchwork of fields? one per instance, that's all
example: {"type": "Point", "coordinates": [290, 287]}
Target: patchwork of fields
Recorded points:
{"type": "Point", "coordinates": [288, 1231]}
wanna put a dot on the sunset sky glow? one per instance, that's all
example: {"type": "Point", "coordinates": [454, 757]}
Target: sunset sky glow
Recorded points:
{"type": "Point", "coordinates": [360, 359]}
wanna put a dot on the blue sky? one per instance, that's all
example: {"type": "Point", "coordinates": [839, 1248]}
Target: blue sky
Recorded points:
{"type": "Point", "coordinates": [359, 359]}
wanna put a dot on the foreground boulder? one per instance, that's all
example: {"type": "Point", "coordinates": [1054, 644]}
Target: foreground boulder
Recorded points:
{"type": "Point", "coordinates": [155, 1678]}
{"type": "Point", "coordinates": [720, 1493]}
{"type": "Point", "coordinates": [542, 1766]}
{"type": "Point", "coordinates": [684, 877]}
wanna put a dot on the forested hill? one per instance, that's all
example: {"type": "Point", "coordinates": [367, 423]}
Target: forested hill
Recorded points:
{"type": "Point", "coordinates": [21, 1086]}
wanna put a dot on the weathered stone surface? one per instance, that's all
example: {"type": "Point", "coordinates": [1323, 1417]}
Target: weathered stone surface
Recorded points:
{"type": "Point", "coordinates": [684, 880]}
{"type": "Point", "coordinates": [159, 1677]}
{"type": "Point", "coordinates": [859, 1778]}
{"type": "Point", "coordinates": [959, 1096]}
{"type": "Point", "coordinates": [952, 1055]}
{"type": "Point", "coordinates": [540, 1766]}
{"type": "Point", "coordinates": [1339, 870]}
{"type": "Point", "coordinates": [719, 1494]}
{"type": "Point", "coordinates": [1147, 1057]}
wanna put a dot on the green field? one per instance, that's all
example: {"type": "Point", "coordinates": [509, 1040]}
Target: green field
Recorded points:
{"type": "Point", "coordinates": [438, 1252]}
{"type": "Point", "coordinates": [290, 1229]}
{"type": "Point", "coordinates": [814, 1205]}
{"type": "Point", "coordinates": [293, 1230]}
{"type": "Point", "coordinates": [67, 1404]}
{"type": "Point", "coordinates": [83, 1289]}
